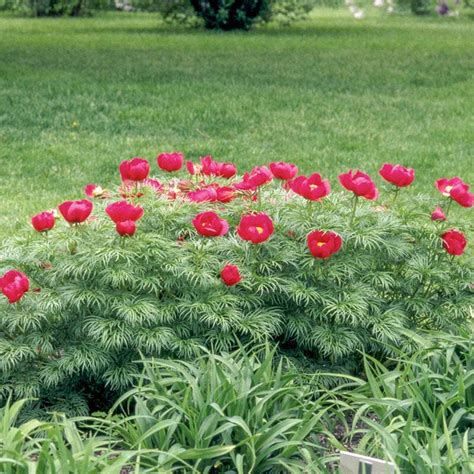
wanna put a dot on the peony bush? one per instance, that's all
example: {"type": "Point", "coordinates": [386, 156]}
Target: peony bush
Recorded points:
{"type": "Point", "coordinates": [203, 256]}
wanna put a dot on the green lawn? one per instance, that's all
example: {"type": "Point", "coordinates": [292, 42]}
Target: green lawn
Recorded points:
{"type": "Point", "coordinates": [79, 95]}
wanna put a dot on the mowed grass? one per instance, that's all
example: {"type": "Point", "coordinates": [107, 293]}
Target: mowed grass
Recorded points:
{"type": "Point", "coordinates": [77, 96]}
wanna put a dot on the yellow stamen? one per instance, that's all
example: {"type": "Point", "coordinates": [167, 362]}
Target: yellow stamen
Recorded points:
{"type": "Point", "coordinates": [447, 190]}
{"type": "Point", "coordinates": [97, 191]}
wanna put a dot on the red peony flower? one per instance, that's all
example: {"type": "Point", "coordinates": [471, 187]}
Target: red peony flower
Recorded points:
{"type": "Point", "coordinates": [323, 244]}
{"type": "Point", "coordinates": [203, 195]}
{"type": "Point", "coordinates": [230, 275]}
{"type": "Point", "coordinates": [225, 193]}
{"type": "Point", "coordinates": [312, 188]}
{"type": "Point", "coordinates": [397, 174]}
{"type": "Point", "coordinates": [282, 170]}
{"type": "Point", "coordinates": [14, 285]}
{"type": "Point", "coordinates": [456, 189]}
{"type": "Point", "coordinates": [454, 242]}
{"type": "Point", "coordinates": [126, 228]}
{"type": "Point", "coordinates": [136, 169]}
{"type": "Point", "coordinates": [295, 184]}
{"type": "Point", "coordinates": [360, 184]}
{"type": "Point", "coordinates": [76, 212]}
{"type": "Point", "coordinates": [438, 215]}
{"type": "Point", "coordinates": [463, 197]}
{"type": "Point", "coordinates": [124, 211]}
{"type": "Point", "coordinates": [93, 190]}
{"type": "Point", "coordinates": [445, 185]}
{"type": "Point", "coordinates": [170, 161]}
{"type": "Point", "coordinates": [43, 221]}
{"type": "Point", "coordinates": [255, 228]}
{"type": "Point", "coordinates": [209, 224]}
{"type": "Point", "coordinates": [209, 167]}
{"type": "Point", "coordinates": [192, 168]}
{"type": "Point", "coordinates": [226, 170]}
{"type": "Point", "coordinates": [89, 190]}
{"type": "Point", "coordinates": [153, 184]}
{"type": "Point", "coordinates": [259, 176]}
{"type": "Point", "coordinates": [245, 184]}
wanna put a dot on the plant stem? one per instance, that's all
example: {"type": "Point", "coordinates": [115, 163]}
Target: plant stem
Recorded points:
{"type": "Point", "coordinates": [448, 207]}
{"type": "Point", "coordinates": [134, 193]}
{"type": "Point", "coordinates": [354, 206]}
{"type": "Point", "coordinates": [395, 195]}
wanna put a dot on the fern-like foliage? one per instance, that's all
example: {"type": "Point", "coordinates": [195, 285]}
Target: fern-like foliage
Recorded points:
{"type": "Point", "coordinates": [100, 301]}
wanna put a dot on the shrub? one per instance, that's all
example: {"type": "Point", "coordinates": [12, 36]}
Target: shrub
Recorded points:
{"type": "Point", "coordinates": [180, 12]}
{"type": "Point", "coordinates": [422, 7]}
{"type": "Point", "coordinates": [287, 12]}
{"type": "Point", "coordinates": [57, 7]}
{"type": "Point", "coordinates": [242, 14]}
{"type": "Point", "coordinates": [98, 300]}
{"type": "Point", "coordinates": [230, 14]}
{"type": "Point", "coordinates": [172, 11]}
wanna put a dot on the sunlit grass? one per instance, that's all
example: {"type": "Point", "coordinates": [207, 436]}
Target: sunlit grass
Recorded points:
{"type": "Point", "coordinates": [79, 95]}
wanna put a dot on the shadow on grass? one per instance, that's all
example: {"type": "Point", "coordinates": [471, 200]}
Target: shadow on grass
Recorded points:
{"type": "Point", "coordinates": [315, 27]}
{"type": "Point", "coordinates": [346, 27]}
{"type": "Point", "coordinates": [270, 31]}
